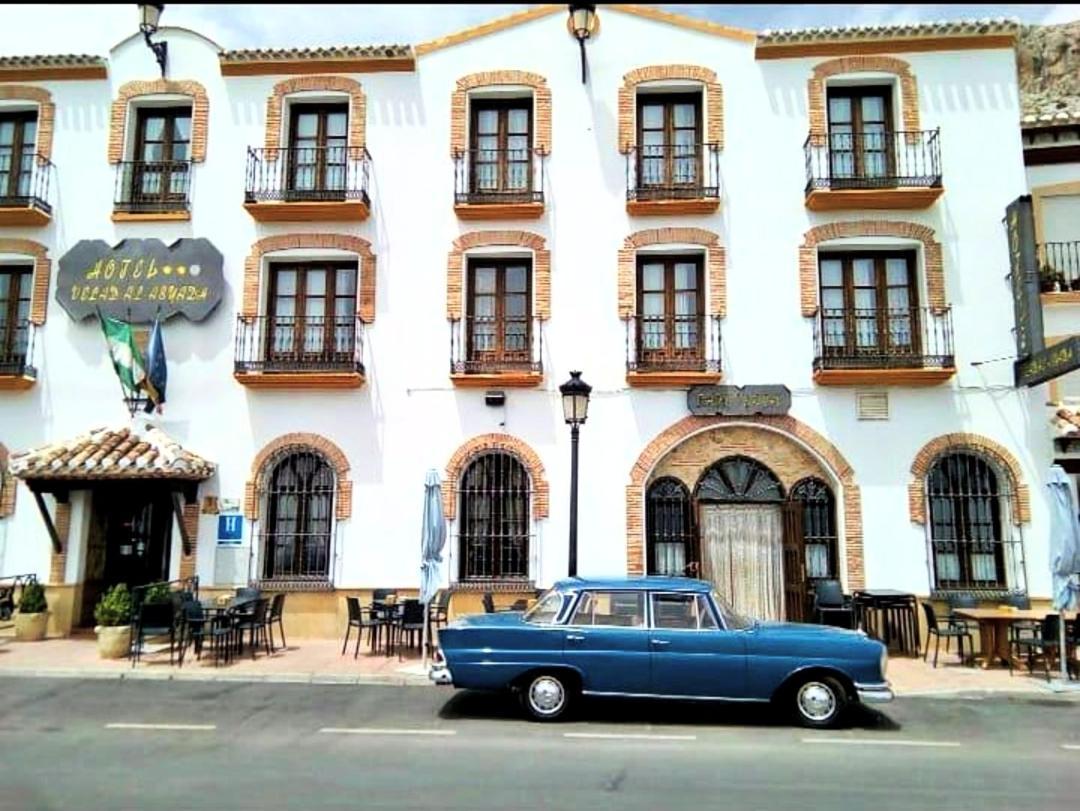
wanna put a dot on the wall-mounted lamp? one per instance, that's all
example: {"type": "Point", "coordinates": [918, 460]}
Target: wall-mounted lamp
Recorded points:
{"type": "Point", "coordinates": [149, 15]}
{"type": "Point", "coordinates": [582, 25]}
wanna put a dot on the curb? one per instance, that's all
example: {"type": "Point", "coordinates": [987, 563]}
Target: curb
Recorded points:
{"type": "Point", "coordinates": [402, 680]}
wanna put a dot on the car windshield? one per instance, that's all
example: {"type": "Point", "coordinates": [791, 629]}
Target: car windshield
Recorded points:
{"type": "Point", "coordinates": [547, 608]}
{"type": "Point", "coordinates": [732, 621]}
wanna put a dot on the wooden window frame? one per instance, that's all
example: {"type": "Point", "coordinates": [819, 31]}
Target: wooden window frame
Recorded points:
{"type": "Point", "coordinates": [328, 351]}
{"type": "Point", "coordinates": [167, 163]}
{"type": "Point", "coordinates": [670, 354]}
{"type": "Point", "coordinates": [305, 497]}
{"type": "Point", "coordinates": [503, 162]}
{"type": "Point", "coordinates": [668, 100]}
{"type": "Point", "coordinates": [500, 355]}
{"type": "Point", "coordinates": [22, 276]}
{"type": "Point", "coordinates": [18, 142]}
{"type": "Point", "coordinates": [855, 93]}
{"type": "Point", "coordinates": [322, 109]}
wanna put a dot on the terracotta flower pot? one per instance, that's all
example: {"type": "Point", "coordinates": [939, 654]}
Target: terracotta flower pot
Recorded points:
{"type": "Point", "coordinates": [31, 627]}
{"type": "Point", "coordinates": [113, 641]}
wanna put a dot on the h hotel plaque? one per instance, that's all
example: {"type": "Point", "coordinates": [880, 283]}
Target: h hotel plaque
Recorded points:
{"type": "Point", "coordinates": [738, 401]}
{"type": "Point", "coordinates": [139, 280]}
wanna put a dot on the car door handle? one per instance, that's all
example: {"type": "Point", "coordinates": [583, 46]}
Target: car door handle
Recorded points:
{"type": "Point", "coordinates": [660, 642]}
{"type": "Point", "coordinates": [575, 638]}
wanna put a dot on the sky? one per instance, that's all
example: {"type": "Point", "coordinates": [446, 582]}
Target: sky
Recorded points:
{"type": "Point", "coordinates": [94, 29]}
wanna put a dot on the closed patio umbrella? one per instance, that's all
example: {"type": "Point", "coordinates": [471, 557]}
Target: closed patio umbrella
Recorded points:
{"type": "Point", "coordinates": [432, 540]}
{"type": "Point", "coordinates": [1064, 552]}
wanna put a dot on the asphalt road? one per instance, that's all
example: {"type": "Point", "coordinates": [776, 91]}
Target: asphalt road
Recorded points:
{"type": "Point", "coordinates": [96, 744]}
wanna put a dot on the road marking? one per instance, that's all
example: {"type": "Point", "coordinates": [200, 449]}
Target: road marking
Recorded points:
{"type": "Point", "coordinates": [628, 736]}
{"type": "Point", "coordinates": [373, 731]}
{"type": "Point", "coordinates": [880, 742]}
{"type": "Point", "coordinates": [185, 727]}
{"type": "Point", "coordinates": [1071, 747]}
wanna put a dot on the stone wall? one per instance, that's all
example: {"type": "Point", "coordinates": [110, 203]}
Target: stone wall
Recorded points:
{"type": "Point", "coordinates": [1048, 60]}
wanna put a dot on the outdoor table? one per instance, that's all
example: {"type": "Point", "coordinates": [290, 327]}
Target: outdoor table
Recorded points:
{"type": "Point", "coordinates": [994, 630]}
{"type": "Point", "coordinates": [888, 615]}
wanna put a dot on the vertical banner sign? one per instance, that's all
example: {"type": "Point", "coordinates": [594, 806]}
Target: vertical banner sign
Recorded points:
{"type": "Point", "coordinates": [1024, 276]}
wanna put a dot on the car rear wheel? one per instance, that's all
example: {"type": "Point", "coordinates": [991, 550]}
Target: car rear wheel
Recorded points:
{"type": "Point", "coordinates": [819, 702]}
{"type": "Point", "coordinates": [546, 696]}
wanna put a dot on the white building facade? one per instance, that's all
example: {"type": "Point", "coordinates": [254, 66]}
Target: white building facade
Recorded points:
{"type": "Point", "coordinates": [420, 243]}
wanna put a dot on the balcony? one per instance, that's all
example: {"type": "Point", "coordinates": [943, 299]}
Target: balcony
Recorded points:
{"type": "Point", "coordinates": [1059, 272]}
{"type": "Point", "coordinates": [499, 184]}
{"type": "Point", "coordinates": [903, 347]}
{"type": "Point", "coordinates": [17, 372]}
{"type": "Point", "coordinates": [277, 352]}
{"type": "Point", "coordinates": [308, 184]}
{"type": "Point", "coordinates": [673, 179]}
{"type": "Point", "coordinates": [25, 201]}
{"type": "Point", "coordinates": [496, 352]}
{"type": "Point", "coordinates": [672, 350]}
{"type": "Point", "coordinates": [152, 191]}
{"type": "Point", "coordinates": [873, 170]}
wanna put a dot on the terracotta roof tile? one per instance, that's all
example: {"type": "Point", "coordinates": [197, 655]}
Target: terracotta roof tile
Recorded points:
{"type": "Point", "coordinates": [342, 52]}
{"type": "Point", "coordinates": [105, 453]}
{"type": "Point", "coordinates": [51, 61]}
{"type": "Point", "coordinates": [957, 28]}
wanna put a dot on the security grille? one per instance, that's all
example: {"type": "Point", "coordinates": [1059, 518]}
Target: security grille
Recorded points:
{"type": "Point", "coordinates": [299, 501]}
{"type": "Point", "coordinates": [494, 524]}
{"type": "Point", "coordinates": [670, 528]}
{"type": "Point", "coordinates": [872, 405]}
{"type": "Point", "coordinates": [819, 527]}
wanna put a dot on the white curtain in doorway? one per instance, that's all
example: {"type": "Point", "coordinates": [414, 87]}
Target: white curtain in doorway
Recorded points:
{"type": "Point", "coordinates": [743, 555]}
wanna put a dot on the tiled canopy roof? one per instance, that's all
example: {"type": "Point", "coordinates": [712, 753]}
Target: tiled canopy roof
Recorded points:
{"type": "Point", "coordinates": [52, 61]}
{"type": "Point", "coordinates": [958, 28]}
{"type": "Point", "coordinates": [106, 453]}
{"type": "Point", "coordinates": [344, 52]}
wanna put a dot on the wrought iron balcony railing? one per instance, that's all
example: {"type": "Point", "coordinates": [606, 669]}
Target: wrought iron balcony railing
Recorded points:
{"type": "Point", "coordinates": [488, 176]}
{"type": "Point", "coordinates": [17, 349]}
{"type": "Point", "coordinates": [913, 338]}
{"type": "Point", "coordinates": [673, 172]}
{"type": "Point", "coordinates": [299, 344]}
{"type": "Point", "coordinates": [673, 343]}
{"type": "Point", "coordinates": [1059, 267]}
{"type": "Point", "coordinates": [487, 345]}
{"type": "Point", "coordinates": [31, 188]}
{"type": "Point", "coordinates": [308, 174]}
{"type": "Point", "coordinates": [873, 160]}
{"type": "Point", "coordinates": [152, 187]}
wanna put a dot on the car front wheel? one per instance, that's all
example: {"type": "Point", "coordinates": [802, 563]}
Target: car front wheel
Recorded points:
{"type": "Point", "coordinates": [546, 696]}
{"type": "Point", "coordinates": [819, 702]}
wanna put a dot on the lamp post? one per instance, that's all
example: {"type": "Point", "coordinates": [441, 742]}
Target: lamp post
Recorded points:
{"type": "Point", "coordinates": [575, 402]}
{"type": "Point", "coordinates": [582, 25]}
{"type": "Point", "coordinates": [149, 16]}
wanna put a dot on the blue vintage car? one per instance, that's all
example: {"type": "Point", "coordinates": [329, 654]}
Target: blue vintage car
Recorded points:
{"type": "Point", "coordinates": [658, 637]}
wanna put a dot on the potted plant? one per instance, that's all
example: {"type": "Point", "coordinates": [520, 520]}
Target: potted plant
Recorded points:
{"type": "Point", "coordinates": [1048, 279]}
{"type": "Point", "coordinates": [1074, 284]}
{"type": "Point", "coordinates": [158, 593]}
{"type": "Point", "coordinates": [113, 616]}
{"type": "Point", "coordinates": [33, 615]}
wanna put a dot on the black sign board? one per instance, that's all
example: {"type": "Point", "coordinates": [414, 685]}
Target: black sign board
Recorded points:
{"type": "Point", "coordinates": [1047, 364]}
{"type": "Point", "coordinates": [1024, 276]}
{"type": "Point", "coordinates": [736, 401]}
{"type": "Point", "coordinates": [140, 279]}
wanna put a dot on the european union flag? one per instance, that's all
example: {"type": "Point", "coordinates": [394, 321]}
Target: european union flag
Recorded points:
{"type": "Point", "coordinates": [157, 372]}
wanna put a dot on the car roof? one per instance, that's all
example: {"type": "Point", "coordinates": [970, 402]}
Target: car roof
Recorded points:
{"type": "Point", "coordinates": [652, 582]}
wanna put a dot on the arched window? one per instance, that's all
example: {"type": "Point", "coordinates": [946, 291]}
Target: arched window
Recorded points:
{"type": "Point", "coordinates": [494, 519]}
{"type": "Point", "coordinates": [740, 479]}
{"type": "Point", "coordinates": [669, 523]}
{"type": "Point", "coordinates": [299, 510]}
{"type": "Point", "coordinates": [818, 526]}
{"type": "Point", "coordinates": [968, 503]}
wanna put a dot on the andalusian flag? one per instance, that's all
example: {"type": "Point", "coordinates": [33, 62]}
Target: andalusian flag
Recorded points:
{"type": "Point", "coordinates": [126, 358]}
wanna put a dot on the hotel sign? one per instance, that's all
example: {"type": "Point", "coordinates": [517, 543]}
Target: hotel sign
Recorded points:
{"type": "Point", "coordinates": [1049, 363]}
{"type": "Point", "coordinates": [738, 401]}
{"type": "Point", "coordinates": [139, 280]}
{"type": "Point", "coordinates": [1024, 276]}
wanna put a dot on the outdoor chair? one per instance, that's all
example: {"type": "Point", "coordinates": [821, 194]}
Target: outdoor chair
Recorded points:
{"type": "Point", "coordinates": [254, 622]}
{"type": "Point", "coordinates": [244, 595]}
{"type": "Point", "coordinates": [410, 624]}
{"type": "Point", "coordinates": [356, 620]}
{"type": "Point", "coordinates": [933, 629]}
{"type": "Point", "coordinates": [192, 629]}
{"type": "Point", "coordinates": [489, 604]}
{"type": "Point", "coordinates": [277, 610]}
{"type": "Point", "coordinates": [830, 601]}
{"type": "Point", "coordinates": [221, 633]}
{"type": "Point", "coordinates": [154, 619]}
{"type": "Point", "coordinates": [961, 600]}
{"type": "Point", "coordinates": [439, 608]}
{"type": "Point", "coordinates": [1021, 628]}
{"type": "Point", "coordinates": [1046, 644]}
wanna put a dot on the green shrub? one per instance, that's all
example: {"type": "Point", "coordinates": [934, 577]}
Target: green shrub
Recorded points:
{"type": "Point", "coordinates": [158, 593]}
{"type": "Point", "coordinates": [32, 600]}
{"type": "Point", "coordinates": [114, 608]}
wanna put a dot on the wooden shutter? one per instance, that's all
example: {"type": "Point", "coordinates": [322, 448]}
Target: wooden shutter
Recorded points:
{"type": "Point", "coordinates": [794, 563]}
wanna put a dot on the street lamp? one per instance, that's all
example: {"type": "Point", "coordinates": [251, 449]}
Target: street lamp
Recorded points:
{"type": "Point", "coordinates": [582, 25]}
{"type": "Point", "coordinates": [575, 403]}
{"type": "Point", "coordinates": [149, 16]}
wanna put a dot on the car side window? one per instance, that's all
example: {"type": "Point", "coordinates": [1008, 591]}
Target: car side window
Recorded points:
{"type": "Point", "coordinates": [688, 612]}
{"type": "Point", "coordinates": [614, 609]}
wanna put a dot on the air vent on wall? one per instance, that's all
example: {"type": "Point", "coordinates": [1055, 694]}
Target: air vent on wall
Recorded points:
{"type": "Point", "coordinates": [872, 405]}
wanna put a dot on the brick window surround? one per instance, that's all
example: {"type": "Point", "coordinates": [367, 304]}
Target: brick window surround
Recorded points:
{"type": "Point", "coordinates": [455, 261]}
{"type": "Point", "coordinates": [253, 269]}
{"type": "Point", "coordinates": [789, 428]}
{"type": "Point", "coordinates": [46, 112]}
{"type": "Point", "coordinates": [300, 442]}
{"type": "Point", "coordinates": [714, 100]}
{"type": "Point", "coordinates": [495, 442]}
{"type": "Point", "coordinates": [1004, 462]}
{"type": "Point", "coordinates": [909, 95]}
{"type": "Point", "coordinates": [459, 105]}
{"type": "Point", "coordinates": [808, 258]}
{"type": "Point", "coordinates": [715, 265]}
{"type": "Point", "coordinates": [39, 298]}
{"type": "Point", "coordinates": [200, 112]}
{"type": "Point", "coordinates": [275, 105]}
{"type": "Point", "coordinates": [7, 485]}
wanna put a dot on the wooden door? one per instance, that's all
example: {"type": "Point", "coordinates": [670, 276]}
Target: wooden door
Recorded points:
{"type": "Point", "coordinates": [794, 562]}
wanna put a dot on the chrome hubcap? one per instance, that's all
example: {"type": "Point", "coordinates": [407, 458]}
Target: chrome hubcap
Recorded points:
{"type": "Point", "coordinates": [816, 701]}
{"type": "Point", "coordinates": [546, 695]}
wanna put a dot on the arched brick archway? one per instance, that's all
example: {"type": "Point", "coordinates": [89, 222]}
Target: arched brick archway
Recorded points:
{"type": "Point", "coordinates": [1001, 457]}
{"type": "Point", "coordinates": [300, 441]}
{"type": "Point", "coordinates": [909, 94]}
{"type": "Point", "coordinates": [803, 435]}
{"type": "Point", "coordinates": [495, 442]}
{"type": "Point", "coordinates": [716, 264]}
{"type": "Point", "coordinates": [455, 262]}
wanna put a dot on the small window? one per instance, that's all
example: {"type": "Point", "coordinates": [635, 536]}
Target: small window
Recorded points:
{"type": "Point", "coordinates": [160, 171]}
{"type": "Point", "coordinates": [501, 147]}
{"type": "Point", "coordinates": [299, 525]}
{"type": "Point", "coordinates": [669, 139]}
{"type": "Point", "coordinates": [613, 609]}
{"type": "Point", "coordinates": [499, 321]}
{"type": "Point", "coordinates": [16, 283]}
{"type": "Point", "coordinates": [671, 312]}
{"type": "Point", "coordinates": [311, 313]}
{"type": "Point", "coordinates": [18, 134]}
{"type": "Point", "coordinates": [861, 133]}
{"type": "Point", "coordinates": [318, 146]}
{"type": "Point", "coordinates": [682, 611]}
{"type": "Point", "coordinates": [494, 521]}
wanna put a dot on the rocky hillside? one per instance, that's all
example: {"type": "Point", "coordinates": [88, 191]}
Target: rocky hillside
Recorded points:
{"type": "Point", "coordinates": [1049, 64]}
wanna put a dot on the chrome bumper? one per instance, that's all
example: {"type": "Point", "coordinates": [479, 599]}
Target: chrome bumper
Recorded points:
{"type": "Point", "coordinates": [440, 674]}
{"type": "Point", "coordinates": [875, 693]}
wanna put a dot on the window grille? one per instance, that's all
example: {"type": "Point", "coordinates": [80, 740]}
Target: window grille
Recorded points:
{"type": "Point", "coordinates": [819, 527]}
{"type": "Point", "coordinates": [494, 533]}
{"type": "Point", "coordinates": [739, 479]}
{"type": "Point", "coordinates": [299, 518]}
{"type": "Point", "coordinates": [670, 530]}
